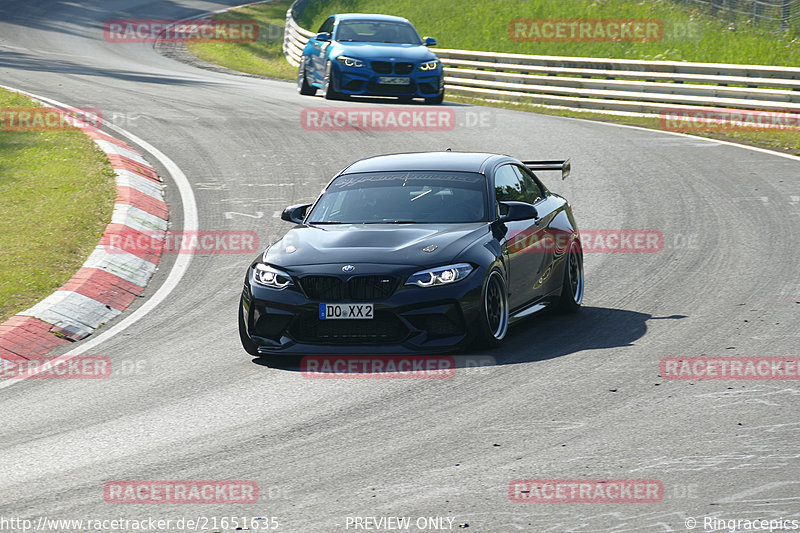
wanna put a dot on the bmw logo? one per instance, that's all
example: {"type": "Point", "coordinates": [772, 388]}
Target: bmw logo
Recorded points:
{"type": "Point", "coordinates": [348, 268]}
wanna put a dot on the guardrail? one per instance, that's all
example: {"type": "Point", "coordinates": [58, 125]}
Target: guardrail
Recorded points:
{"type": "Point", "coordinates": [619, 85]}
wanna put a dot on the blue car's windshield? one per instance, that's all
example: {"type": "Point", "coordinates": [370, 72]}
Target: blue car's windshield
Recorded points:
{"type": "Point", "coordinates": [376, 31]}
{"type": "Point", "coordinates": [402, 198]}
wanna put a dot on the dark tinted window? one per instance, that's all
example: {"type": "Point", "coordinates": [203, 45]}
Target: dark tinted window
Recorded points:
{"type": "Point", "coordinates": [408, 197]}
{"type": "Point", "coordinates": [507, 185]}
{"type": "Point", "coordinates": [531, 190]}
{"type": "Point", "coordinates": [327, 26]}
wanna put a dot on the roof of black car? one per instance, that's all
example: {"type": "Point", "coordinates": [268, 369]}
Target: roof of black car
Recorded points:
{"type": "Point", "coordinates": [454, 161]}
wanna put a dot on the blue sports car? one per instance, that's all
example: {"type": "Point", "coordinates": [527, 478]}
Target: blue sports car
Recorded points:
{"type": "Point", "coordinates": [371, 55]}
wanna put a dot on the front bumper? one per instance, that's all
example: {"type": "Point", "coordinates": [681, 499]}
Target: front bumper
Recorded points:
{"type": "Point", "coordinates": [412, 320]}
{"type": "Point", "coordinates": [365, 82]}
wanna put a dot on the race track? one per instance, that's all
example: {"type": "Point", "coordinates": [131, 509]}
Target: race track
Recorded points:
{"type": "Point", "coordinates": [576, 397]}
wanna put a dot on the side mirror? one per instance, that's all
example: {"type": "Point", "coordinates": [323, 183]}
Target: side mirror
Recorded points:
{"type": "Point", "coordinates": [295, 213]}
{"type": "Point", "coordinates": [518, 211]}
{"type": "Point", "coordinates": [324, 36]}
{"type": "Point", "coordinates": [429, 41]}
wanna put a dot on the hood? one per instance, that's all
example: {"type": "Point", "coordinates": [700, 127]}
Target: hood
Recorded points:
{"type": "Point", "coordinates": [384, 51]}
{"type": "Point", "coordinates": [379, 243]}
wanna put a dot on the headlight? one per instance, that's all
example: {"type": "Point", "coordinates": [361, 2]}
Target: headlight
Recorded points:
{"type": "Point", "coordinates": [350, 62]}
{"type": "Point", "coordinates": [429, 65]}
{"type": "Point", "coordinates": [440, 276]}
{"type": "Point", "coordinates": [271, 277]}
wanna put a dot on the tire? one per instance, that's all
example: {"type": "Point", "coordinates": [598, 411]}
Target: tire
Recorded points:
{"type": "Point", "coordinates": [436, 100]}
{"type": "Point", "coordinates": [573, 285]}
{"type": "Point", "coordinates": [330, 83]}
{"type": "Point", "coordinates": [493, 324]}
{"type": "Point", "coordinates": [247, 343]}
{"type": "Point", "coordinates": [303, 87]}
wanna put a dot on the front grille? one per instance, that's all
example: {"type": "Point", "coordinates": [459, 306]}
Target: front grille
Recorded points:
{"type": "Point", "coordinates": [385, 327]}
{"type": "Point", "coordinates": [382, 67]}
{"type": "Point", "coordinates": [403, 68]}
{"type": "Point", "coordinates": [358, 288]}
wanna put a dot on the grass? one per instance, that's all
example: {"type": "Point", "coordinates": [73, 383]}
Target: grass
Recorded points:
{"type": "Point", "coordinates": [688, 36]}
{"type": "Point", "coordinates": [264, 57]}
{"type": "Point", "coordinates": [56, 196]}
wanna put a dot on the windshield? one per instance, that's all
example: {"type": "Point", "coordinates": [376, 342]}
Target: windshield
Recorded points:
{"type": "Point", "coordinates": [402, 198]}
{"type": "Point", "coordinates": [377, 31]}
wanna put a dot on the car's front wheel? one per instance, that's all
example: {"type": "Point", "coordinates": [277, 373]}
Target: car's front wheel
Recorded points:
{"type": "Point", "coordinates": [493, 324]}
{"type": "Point", "coordinates": [572, 286]}
{"type": "Point", "coordinates": [303, 87]}
{"type": "Point", "coordinates": [330, 84]}
{"type": "Point", "coordinates": [247, 343]}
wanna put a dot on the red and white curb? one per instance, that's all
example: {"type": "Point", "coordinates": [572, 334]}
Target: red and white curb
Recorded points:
{"type": "Point", "coordinates": [108, 282]}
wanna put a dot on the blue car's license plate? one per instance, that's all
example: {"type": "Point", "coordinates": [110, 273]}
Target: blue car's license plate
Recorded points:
{"type": "Point", "coordinates": [389, 80]}
{"type": "Point", "coordinates": [345, 311]}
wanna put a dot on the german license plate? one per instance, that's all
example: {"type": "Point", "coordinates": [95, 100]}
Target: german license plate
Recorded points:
{"type": "Point", "coordinates": [389, 80]}
{"type": "Point", "coordinates": [345, 311]}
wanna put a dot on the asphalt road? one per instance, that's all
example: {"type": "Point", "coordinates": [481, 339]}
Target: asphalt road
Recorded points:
{"type": "Point", "coordinates": [565, 398]}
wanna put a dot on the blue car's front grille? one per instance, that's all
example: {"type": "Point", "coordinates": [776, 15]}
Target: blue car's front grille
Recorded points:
{"type": "Point", "coordinates": [403, 68]}
{"type": "Point", "coordinates": [382, 67]}
{"type": "Point", "coordinates": [387, 67]}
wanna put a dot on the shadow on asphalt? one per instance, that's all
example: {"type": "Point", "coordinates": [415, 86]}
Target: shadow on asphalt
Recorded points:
{"type": "Point", "coordinates": [536, 338]}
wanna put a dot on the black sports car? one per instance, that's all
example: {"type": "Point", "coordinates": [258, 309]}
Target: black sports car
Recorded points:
{"type": "Point", "coordinates": [421, 252]}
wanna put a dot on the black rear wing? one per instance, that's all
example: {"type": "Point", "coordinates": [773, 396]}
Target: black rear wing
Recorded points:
{"type": "Point", "coordinates": [555, 164]}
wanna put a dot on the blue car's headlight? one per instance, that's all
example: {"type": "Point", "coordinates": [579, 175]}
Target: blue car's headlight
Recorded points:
{"type": "Point", "coordinates": [350, 61]}
{"type": "Point", "coordinates": [429, 65]}
{"type": "Point", "coordinates": [440, 275]}
{"type": "Point", "coordinates": [271, 277]}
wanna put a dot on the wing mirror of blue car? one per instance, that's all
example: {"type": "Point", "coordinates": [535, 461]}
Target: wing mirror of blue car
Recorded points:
{"type": "Point", "coordinates": [324, 36]}
{"type": "Point", "coordinates": [517, 211]}
{"type": "Point", "coordinates": [429, 41]}
{"type": "Point", "coordinates": [295, 213]}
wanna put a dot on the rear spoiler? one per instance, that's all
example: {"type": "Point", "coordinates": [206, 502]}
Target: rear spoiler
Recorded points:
{"type": "Point", "coordinates": [555, 164]}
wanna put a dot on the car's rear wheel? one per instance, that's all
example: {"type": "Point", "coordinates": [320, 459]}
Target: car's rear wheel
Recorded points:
{"type": "Point", "coordinates": [247, 343]}
{"type": "Point", "coordinates": [303, 87]}
{"type": "Point", "coordinates": [436, 100]}
{"type": "Point", "coordinates": [330, 84]}
{"type": "Point", "coordinates": [494, 319]}
{"type": "Point", "coordinates": [572, 286]}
